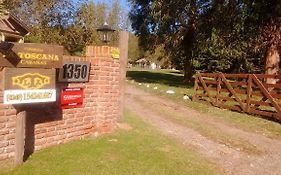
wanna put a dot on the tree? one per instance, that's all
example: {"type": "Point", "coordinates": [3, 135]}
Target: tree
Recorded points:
{"type": "Point", "coordinates": [2, 7]}
{"type": "Point", "coordinates": [66, 22]}
{"type": "Point", "coordinates": [48, 19]}
{"type": "Point", "coordinates": [227, 44]}
{"type": "Point", "coordinates": [12, 4]}
{"type": "Point", "coordinates": [212, 35]}
{"type": "Point", "coordinates": [92, 15]}
{"type": "Point", "coordinates": [173, 23]}
{"type": "Point", "coordinates": [268, 14]}
{"type": "Point", "coordinates": [134, 49]}
{"type": "Point", "coordinates": [82, 32]}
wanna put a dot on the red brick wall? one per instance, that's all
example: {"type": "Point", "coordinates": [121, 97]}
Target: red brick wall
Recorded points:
{"type": "Point", "coordinates": [48, 125]}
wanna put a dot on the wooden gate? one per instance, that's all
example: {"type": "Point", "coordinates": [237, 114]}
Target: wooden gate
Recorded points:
{"type": "Point", "coordinates": [247, 93]}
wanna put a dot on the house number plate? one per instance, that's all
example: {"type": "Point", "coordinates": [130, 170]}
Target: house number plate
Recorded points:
{"type": "Point", "coordinates": [74, 72]}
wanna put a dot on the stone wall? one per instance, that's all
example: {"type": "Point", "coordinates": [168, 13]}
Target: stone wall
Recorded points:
{"type": "Point", "coordinates": [47, 124]}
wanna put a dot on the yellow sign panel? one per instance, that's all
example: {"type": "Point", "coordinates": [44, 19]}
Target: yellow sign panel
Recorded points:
{"type": "Point", "coordinates": [31, 81]}
{"type": "Point", "coordinates": [115, 53]}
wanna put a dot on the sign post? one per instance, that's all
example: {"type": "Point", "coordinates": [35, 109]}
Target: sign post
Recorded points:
{"type": "Point", "coordinates": [20, 137]}
{"type": "Point", "coordinates": [123, 45]}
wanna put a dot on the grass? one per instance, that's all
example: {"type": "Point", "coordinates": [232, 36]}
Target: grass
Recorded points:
{"type": "Point", "coordinates": [171, 80]}
{"type": "Point", "coordinates": [142, 150]}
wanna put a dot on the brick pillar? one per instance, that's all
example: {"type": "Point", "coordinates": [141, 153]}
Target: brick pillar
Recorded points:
{"type": "Point", "coordinates": [105, 72]}
{"type": "Point", "coordinates": [99, 52]}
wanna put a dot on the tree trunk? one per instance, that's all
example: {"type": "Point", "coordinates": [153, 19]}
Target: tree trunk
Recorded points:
{"type": "Point", "coordinates": [189, 41]}
{"type": "Point", "coordinates": [272, 59]}
{"type": "Point", "coordinates": [188, 71]}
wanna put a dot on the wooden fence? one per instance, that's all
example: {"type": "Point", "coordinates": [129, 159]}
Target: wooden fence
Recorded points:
{"type": "Point", "coordinates": [248, 93]}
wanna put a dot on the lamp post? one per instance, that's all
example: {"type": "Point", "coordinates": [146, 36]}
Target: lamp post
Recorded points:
{"type": "Point", "coordinates": [105, 32]}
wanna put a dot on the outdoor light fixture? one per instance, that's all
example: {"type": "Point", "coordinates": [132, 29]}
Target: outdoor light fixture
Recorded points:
{"type": "Point", "coordinates": [105, 32]}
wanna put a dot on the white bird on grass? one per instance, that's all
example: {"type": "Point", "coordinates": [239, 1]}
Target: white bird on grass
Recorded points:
{"type": "Point", "coordinates": [170, 92]}
{"type": "Point", "coordinates": [186, 97]}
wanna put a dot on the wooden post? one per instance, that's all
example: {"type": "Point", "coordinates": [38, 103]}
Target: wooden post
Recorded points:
{"type": "Point", "coordinates": [20, 137]}
{"type": "Point", "coordinates": [249, 93]}
{"type": "Point", "coordinates": [194, 97]}
{"type": "Point", "coordinates": [21, 40]}
{"type": "Point", "coordinates": [123, 46]}
{"type": "Point", "coordinates": [266, 94]}
{"type": "Point", "coordinates": [2, 37]}
{"type": "Point", "coordinates": [218, 90]}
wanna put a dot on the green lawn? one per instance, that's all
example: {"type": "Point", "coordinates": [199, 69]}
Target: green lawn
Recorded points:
{"type": "Point", "coordinates": [172, 80]}
{"type": "Point", "coordinates": [142, 150]}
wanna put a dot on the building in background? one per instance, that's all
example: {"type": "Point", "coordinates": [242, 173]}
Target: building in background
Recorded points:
{"type": "Point", "coordinates": [12, 29]}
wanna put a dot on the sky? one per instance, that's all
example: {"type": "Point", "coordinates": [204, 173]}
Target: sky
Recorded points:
{"type": "Point", "coordinates": [124, 3]}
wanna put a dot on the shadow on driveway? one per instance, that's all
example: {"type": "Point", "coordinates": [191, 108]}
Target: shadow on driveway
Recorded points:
{"type": "Point", "coordinates": [171, 78]}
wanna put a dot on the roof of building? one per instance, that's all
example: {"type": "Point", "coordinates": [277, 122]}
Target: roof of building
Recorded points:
{"type": "Point", "coordinates": [142, 60]}
{"type": "Point", "coordinates": [10, 25]}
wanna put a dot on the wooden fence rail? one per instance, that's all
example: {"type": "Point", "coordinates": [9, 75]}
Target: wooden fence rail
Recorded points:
{"type": "Point", "coordinates": [248, 93]}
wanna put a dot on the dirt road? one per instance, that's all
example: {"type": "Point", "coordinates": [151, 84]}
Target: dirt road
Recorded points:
{"type": "Point", "coordinates": [233, 161]}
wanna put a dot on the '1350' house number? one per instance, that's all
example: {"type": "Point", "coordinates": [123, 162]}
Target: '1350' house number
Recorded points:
{"type": "Point", "coordinates": [74, 71]}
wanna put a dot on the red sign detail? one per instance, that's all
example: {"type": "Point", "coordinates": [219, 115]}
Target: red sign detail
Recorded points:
{"type": "Point", "coordinates": [71, 97]}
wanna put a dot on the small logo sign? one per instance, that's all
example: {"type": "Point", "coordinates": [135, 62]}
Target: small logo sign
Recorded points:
{"type": "Point", "coordinates": [31, 81]}
{"type": "Point", "coordinates": [115, 53]}
{"type": "Point", "coordinates": [72, 97]}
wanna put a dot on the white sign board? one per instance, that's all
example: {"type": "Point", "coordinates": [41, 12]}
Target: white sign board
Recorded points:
{"type": "Point", "coordinates": [29, 96]}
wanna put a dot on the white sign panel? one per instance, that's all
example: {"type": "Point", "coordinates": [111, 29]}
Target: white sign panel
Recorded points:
{"type": "Point", "coordinates": [29, 96]}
